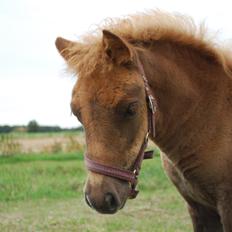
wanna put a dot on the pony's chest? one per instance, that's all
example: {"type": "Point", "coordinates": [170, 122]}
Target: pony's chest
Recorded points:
{"type": "Point", "coordinates": [196, 192]}
{"type": "Point", "coordinates": [191, 189]}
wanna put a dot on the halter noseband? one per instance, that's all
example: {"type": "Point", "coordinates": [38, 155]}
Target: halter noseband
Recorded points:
{"type": "Point", "coordinates": [131, 175]}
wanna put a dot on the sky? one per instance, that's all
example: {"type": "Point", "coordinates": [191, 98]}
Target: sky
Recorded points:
{"type": "Point", "coordinates": [33, 80]}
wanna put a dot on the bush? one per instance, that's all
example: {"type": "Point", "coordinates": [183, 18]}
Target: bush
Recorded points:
{"type": "Point", "coordinates": [8, 146]}
{"type": "Point", "coordinates": [73, 145]}
{"type": "Point", "coordinates": [33, 126]}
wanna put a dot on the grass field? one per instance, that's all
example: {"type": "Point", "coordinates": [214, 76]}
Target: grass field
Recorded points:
{"type": "Point", "coordinates": [43, 192]}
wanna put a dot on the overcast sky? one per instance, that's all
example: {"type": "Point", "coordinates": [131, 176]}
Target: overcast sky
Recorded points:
{"type": "Point", "coordinates": [33, 84]}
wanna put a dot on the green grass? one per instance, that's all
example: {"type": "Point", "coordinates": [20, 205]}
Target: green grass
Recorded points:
{"type": "Point", "coordinates": [24, 158]}
{"type": "Point", "coordinates": [44, 193]}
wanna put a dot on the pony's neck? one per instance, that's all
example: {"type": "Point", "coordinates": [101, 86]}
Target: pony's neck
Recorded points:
{"type": "Point", "coordinates": [182, 82]}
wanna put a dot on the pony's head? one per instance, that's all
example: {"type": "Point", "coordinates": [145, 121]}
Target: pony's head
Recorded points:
{"type": "Point", "coordinates": [109, 100]}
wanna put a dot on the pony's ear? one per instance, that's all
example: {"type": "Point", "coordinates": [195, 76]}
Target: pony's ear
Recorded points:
{"type": "Point", "coordinates": [116, 48]}
{"type": "Point", "coordinates": [64, 47]}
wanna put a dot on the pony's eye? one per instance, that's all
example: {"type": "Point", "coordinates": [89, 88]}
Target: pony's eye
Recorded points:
{"type": "Point", "coordinates": [131, 109]}
{"type": "Point", "coordinates": [77, 113]}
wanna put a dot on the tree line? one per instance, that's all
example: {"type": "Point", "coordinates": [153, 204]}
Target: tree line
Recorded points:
{"type": "Point", "coordinates": [33, 126]}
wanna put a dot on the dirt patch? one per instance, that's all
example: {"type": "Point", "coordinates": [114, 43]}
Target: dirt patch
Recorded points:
{"type": "Point", "coordinates": [49, 144]}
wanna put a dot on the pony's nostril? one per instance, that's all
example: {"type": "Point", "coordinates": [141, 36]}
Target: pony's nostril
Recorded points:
{"type": "Point", "coordinates": [111, 202]}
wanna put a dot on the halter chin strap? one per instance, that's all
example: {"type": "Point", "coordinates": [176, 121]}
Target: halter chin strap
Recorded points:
{"type": "Point", "coordinates": [131, 175]}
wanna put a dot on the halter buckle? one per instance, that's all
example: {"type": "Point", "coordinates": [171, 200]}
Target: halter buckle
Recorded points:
{"type": "Point", "coordinates": [151, 103]}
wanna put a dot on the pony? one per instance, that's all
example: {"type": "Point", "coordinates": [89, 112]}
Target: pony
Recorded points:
{"type": "Point", "coordinates": [189, 75]}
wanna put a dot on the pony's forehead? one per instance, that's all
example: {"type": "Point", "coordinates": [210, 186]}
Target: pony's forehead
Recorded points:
{"type": "Point", "coordinates": [108, 88]}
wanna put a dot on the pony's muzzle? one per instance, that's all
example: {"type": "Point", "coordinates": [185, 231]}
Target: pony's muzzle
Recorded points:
{"type": "Point", "coordinates": [105, 194]}
{"type": "Point", "coordinates": [108, 205]}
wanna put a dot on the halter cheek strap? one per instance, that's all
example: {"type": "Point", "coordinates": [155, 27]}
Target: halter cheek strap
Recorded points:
{"type": "Point", "coordinates": [131, 175]}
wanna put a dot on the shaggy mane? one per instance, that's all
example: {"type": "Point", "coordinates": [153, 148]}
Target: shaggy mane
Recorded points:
{"type": "Point", "coordinates": [147, 27]}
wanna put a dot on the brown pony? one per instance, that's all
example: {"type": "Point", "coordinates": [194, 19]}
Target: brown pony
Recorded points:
{"type": "Point", "coordinates": [190, 78]}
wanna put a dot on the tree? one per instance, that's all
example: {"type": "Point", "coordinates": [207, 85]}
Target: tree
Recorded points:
{"type": "Point", "coordinates": [33, 126]}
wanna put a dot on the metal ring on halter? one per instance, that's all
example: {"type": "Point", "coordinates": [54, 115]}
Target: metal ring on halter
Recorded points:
{"type": "Point", "coordinates": [147, 136]}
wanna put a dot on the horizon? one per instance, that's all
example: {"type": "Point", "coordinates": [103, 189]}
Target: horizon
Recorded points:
{"type": "Point", "coordinates": [41, 125]}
